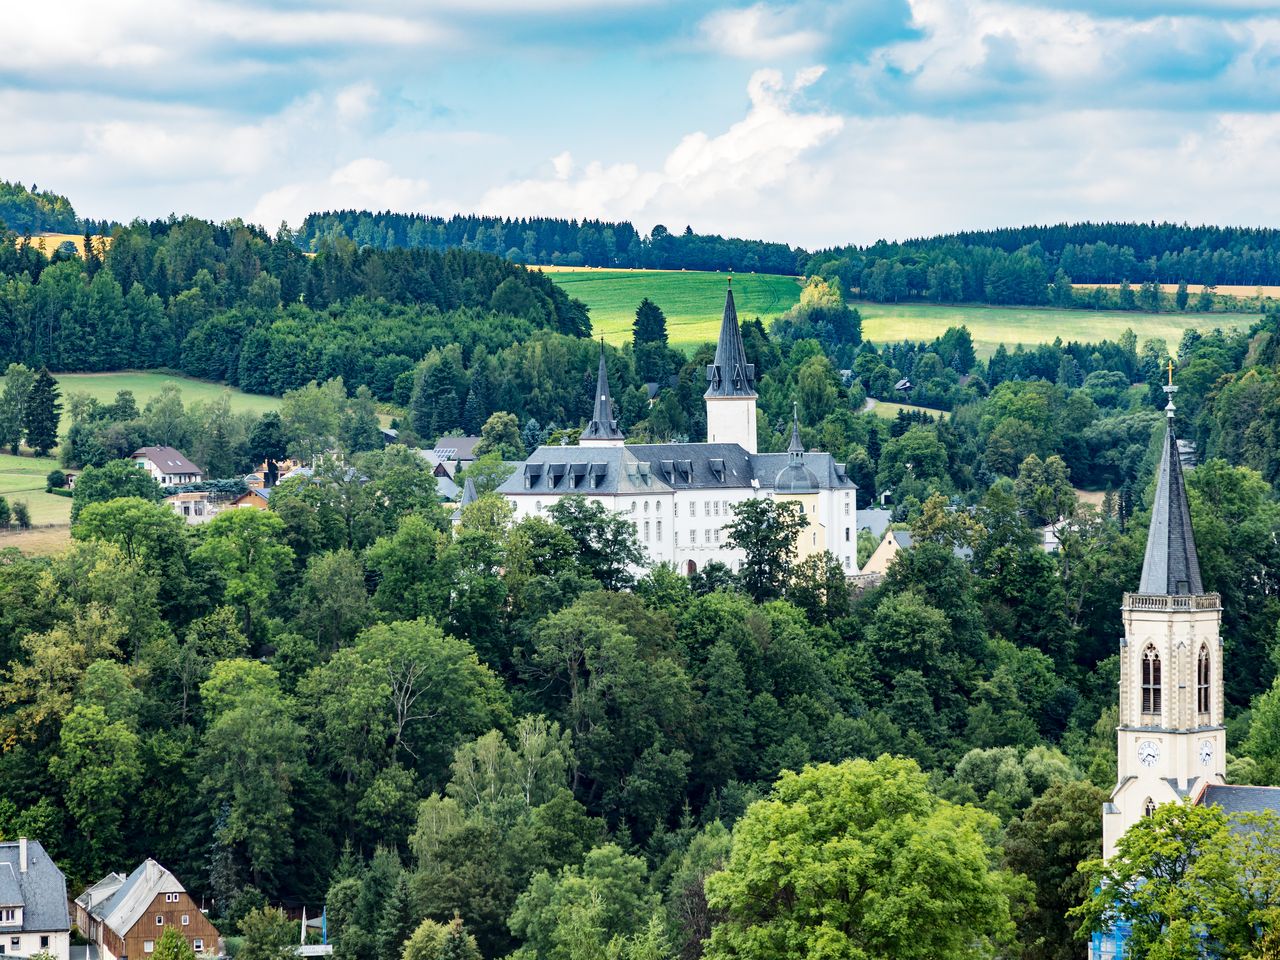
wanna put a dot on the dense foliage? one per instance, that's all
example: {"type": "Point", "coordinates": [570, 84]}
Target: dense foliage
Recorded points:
{"type": "Point", "coordinates": [545, 240]}
{"type": "Point", "coordinates": [34, 210]}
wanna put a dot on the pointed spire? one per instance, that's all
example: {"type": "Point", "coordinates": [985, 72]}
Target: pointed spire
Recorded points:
{"type": "Point", "coordinates": [796, 447]}
{"type": "Point", "coordinates": [730, 375]}
{"type": "Point", "coordinates": [1171, 566]}
{"type": "Point", "coordinates": [602, 426]}
{"type": "Point", "coordinates": [469, 495]}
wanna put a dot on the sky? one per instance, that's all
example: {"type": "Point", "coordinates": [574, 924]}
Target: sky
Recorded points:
{"type": "Point", "coordinates": [813, 123]}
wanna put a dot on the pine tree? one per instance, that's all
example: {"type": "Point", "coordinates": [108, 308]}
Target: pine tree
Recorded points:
{"type": "Point", "coordinates": [41, 412]}
{"type": "Point", "coordinates": [218, 461]}
{"type": "Point", "coordinates": [458, 944]}
{"type": "Point", "coordinates": [472, 414]}
{"type": "Point", "coordinates": [397, 922]}
{"type": "Point", "coordinates": [650, 324]}
{"type": "Point", "coordinates": [531, 434]}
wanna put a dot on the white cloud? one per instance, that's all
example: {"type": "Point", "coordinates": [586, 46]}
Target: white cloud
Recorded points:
{"type": "Point", "coordinates": [759, 32]}
{"type": "Point", "coordinates": [562, 163]}
{"type": "Point", "coordinates": [760, 153]}
{"type": "Point", "coordinates": [363, 184]}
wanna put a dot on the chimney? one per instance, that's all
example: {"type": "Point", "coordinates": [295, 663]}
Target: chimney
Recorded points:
{"type": "Point", "coordinates": [22, 855]}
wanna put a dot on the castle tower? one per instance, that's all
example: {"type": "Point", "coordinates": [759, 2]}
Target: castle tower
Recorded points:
{"type": "Point", "coordinates": [731, 395]}
{"type": "Point", "coordinates": [1171, 737]}
{"type": "Point", "coordinates": [603, 430]}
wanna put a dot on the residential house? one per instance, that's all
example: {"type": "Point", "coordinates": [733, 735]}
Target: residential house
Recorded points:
{"type": "Point", "coordinates": [455, 453]}
{"type": "Point", "coordinates": [893, 543]}
{"type": "Point", "coordinates": [255, 497]}
{"type": "Point", "coordinates": [167, 466]}
{"type": "Point", "coordinates": [195, 507]}
{"type": "Point", "coordinates": [269, 472]}
{"type": "Point", "coordinates": [125, 916]}
{"type": "Point", "coordinates": [33, 902]}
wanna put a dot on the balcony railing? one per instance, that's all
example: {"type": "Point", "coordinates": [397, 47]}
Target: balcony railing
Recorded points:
{"type": "Point", "coordinates": [1152, 601]}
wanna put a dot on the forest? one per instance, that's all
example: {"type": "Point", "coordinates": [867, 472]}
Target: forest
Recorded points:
{"type": "Point", "coordinates": [500, 736]}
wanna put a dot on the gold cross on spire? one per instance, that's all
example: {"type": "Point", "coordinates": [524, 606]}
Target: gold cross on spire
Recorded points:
{"type": "Point", "coordinates": [1171, 371]}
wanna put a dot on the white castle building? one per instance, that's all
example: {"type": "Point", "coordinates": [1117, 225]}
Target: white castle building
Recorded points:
{"type": "Point", "coordinates": [681, 496]}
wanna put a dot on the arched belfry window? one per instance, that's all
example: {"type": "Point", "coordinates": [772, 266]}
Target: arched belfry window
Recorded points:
{"type": "Point", "coordinates": [1149, 808]}
{"type": "Point", "coordinates": [1202, 681]}
{"type": "Point", "coordinates": [1150, 680]}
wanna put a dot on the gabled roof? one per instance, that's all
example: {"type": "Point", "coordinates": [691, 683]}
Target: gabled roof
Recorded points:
{"type": "Point", "coordinates": [729, 375]}
{"type": "Point", "coordinates": [1170, 566]}
{"type": "Point", "coordinates": [469, 495]}
{"type": "Point", "coordinates": [41, 890]}
{"type": "Point", "coordinates": [122, 909]}
{"type": "Point", "coordinates": [1235, 798]}
{"type": "Point", "coordinates": [456, 448]}
{"type": "Point", "coordinates": [167, 459]}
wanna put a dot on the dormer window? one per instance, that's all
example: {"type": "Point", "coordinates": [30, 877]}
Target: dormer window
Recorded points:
{"type": "Point", "coordinates": [11, 916]}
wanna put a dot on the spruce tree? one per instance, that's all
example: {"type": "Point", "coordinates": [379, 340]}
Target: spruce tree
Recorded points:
{"type": "Point", "coordinates": [650, 325]}
{"type": "Point", "coordinates": [458, 944]}
{"type": "Point", "coordinates": [396, 924]}
{"type": "Point", "coordinates": [40, 414]}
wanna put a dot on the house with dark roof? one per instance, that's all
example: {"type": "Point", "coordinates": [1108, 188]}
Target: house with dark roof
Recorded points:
{"type": "Point", "coordinates": [167, 466]}
{"type": "Point", "coordinates": [125, 916]}
{"type": "Point", "coordinates": [682, 496]}
{"type": "Point", "coordinates": [33, 902]}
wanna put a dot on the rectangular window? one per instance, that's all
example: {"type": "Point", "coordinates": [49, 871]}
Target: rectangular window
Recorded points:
{"type": "Point", "coordinates": [646, 531]}
{"type": "Point", "coordinates": [148, 946]}
{"type": "Point", "coordinates": [846, 508]}
{"type": "Point", "coordinates": [717, 507]}
{"type": "Point", "coordinates": [186, 919]}
{"type": "Point", "coordinates": [44, 942]}
{"type": "Point", "coordinates": [693, 538]}
{"type": "Point", "coordinates": [706, 536]}
{"type": "Point", "coordinates": [197, 945]}
{"type": "Point", "coordinates": [706, 508]}
{"type": "Point", "coordinates": [693, 508]}
{"type": "Point", "coordinates": [159, 920]}
{"type": "Point", "coordinates": [675, 538]}
{"type": "Point", "coordinates": [15, 943]}
{"type": "Point", "coordinates": [675, 508]}
{"type": "Point", "coordinates": [717, 534]}
{"type": "Point", "coordinates": [658, 531]}
{"type": "Point", "coordinates": [846, 534]}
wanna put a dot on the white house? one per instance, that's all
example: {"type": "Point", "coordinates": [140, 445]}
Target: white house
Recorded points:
{"type": "Point", "coordinates": [167, 466]}
{"type": "Point", "coordinates": [194, 507]}
{"type": "Point", "coordinates": [33, 902]}
{"type": "Point", "coordinates": [681, 496]}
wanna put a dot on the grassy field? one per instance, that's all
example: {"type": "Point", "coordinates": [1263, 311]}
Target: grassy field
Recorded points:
{"type": "Point", "coordinates": [888, 410]}
{"type": "Point", "coordinates": [22, 478]}
{"type": "Point", "coordinates": [50, 242]}
{"type": "Point", "coordinates": [38, 542]}
{"type": "Point", "coordinates": [694, 301]}
{"type": "Point", "coordinates": [991, 326]}
{"type": "Point", "coordinates": [146, 384]}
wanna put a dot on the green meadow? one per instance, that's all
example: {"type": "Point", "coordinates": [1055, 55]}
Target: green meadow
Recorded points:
{"type": "Point", "coordinates": [23, 478]}
{"type": "Point", "coordinates": [694, 301]}
{"type": "Point", "coordinates": [146, 384]}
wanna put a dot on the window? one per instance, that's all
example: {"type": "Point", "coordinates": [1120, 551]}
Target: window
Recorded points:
{"type": "Point", "coordinates": [1150, 680]}
{"type": "Point", "coordinates": [717, 507]}
{"type": "Point", "coordinates": [1149, 808]}
{"type": "Point", "coordinates": [186, 919]}
{"type": "Point", "coordinates": [15, 943]}
{"type": "Point", "coordinates": [646, 506]}
{"type": "Point", "coordinates": [675, 538]}
{"type": "Point", "coordinates": [706, 508]}
{"type": "Point", "coordinates": [658, 530]}
{"type": "Point", "coordinates": [8, 915]}
{"type": "Point", "coordinates": [657, 506]}
{"type": "Point", "coordinates": [846, 534]}
{"type": "Point", "coordinates": [1202, 681]}
{"type": "Point", "coordinates": [148, 946]}
{"type": "Point", "coordinates": [706, 536]}
{"type": "Point", "coordinates": [646, 531]}
{"type": "Point", "coordinates": [197, 944]}
{"type": "Point", "coordinates": [44, 941]}
{"type": "Point", "coordinates": [693, 508]}
{"type": "Point", "coordinates": [815, 538]}
{"type": "Point", "coordinates": [846, 561]}
{"type": "Point", "coordinates": [170, 898]}
{"type": "Point", "coordinates": [693, 538]}
{"type": "Point", "coordinates": [717, 534]}
{"type": "Point", "coordinates": [846, 505]}
{"type": "Point", "coordinates": [159, 920]}
{"type": "Point", "coordinates": [675, 508]}
{"type": "Point", "coordinates": [537, 506]}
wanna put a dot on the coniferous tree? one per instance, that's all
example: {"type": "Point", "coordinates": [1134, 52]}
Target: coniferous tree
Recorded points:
{"type": "Point", "coordinates": [41, 412]}
{"type": "Point", "coordinates": [397, 922]}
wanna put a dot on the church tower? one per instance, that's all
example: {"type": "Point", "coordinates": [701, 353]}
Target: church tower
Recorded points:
{"type": "Point", "coordinates": [603, 430]}
{"type": "Point", "coordinates": [731, 395]}
{"type": "Point", "coordinates": [1171, 737]}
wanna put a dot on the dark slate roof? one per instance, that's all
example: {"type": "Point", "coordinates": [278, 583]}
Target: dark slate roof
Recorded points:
{"type": "Point", "coordinates": [1233, 798]}
{"type": "Point", "coordinates": [447, 489]}
{"type": "Point", "coordinates": [167, 459]}
{"type": "Point", "coordinates": [602, 426]}
{"type": "Point", "coordinates": [42, 890]}
{"type": "Point", "coordinates": [662, 467]}
{"type": "Point", "coordinates": [875, 520]}
{"type": "Point", "coordinates": [1170, 566]}
{"type": "Point", "coordinates": [729, 375]}
{"type": "Point", "coordinates": [469, 495]}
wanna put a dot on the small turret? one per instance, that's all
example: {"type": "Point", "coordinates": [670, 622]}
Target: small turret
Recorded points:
{"type": "Point", "coordinates": [603, 430]}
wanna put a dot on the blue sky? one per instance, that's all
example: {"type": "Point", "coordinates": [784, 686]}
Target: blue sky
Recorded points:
{"type": "Point", "coordinates": [811, 122]}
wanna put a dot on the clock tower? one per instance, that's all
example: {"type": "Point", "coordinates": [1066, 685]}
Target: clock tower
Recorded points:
{"type": "Point", "coordinates": [1171, 739]}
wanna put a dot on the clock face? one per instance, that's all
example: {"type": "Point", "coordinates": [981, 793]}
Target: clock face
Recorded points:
{"type": "Point", "coordinates": [1148, 753]}
{"type": "Point", "coordinates": [1206, 752]}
